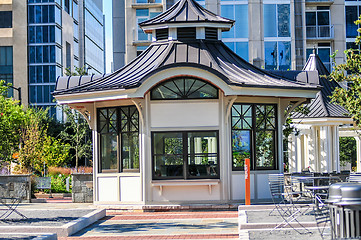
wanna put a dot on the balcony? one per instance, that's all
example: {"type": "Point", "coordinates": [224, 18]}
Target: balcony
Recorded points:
{"type": "Point", "coordinates": [320, 32]}
{"type": "Point", "coordinates": [146, 3]}
{"type": "Point", "coordinates": [319, 1]}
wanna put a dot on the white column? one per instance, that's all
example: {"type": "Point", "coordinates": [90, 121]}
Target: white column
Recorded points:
{"type": "Point", "coordinates": [336, 149]}
{"type": "Point", "coordinates": [313, 149]}
{"type": "Point", "coordinates": [358, 153]}
{"type": "Point", "coordinates": [292, 153]}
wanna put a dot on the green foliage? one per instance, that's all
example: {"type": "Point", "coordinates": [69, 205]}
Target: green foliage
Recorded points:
{"type": "Point", "coordinates": [58, 183]}
{"type": "Point", "coordinates": [349, 73]}
{"type": "Point", "coordinates": [78, 71]}
{"type": "Point", "coordinates": [348, 151]}
{"type": "Point", "coordinates": [77, 135]}
{"type": "Point", "coordinates": [12, 117]}
{"type": "Point", "coordinates": [37, 147]}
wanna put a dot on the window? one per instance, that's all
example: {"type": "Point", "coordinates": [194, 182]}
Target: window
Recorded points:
{"type": "Point", "coordinates": [278, 55]}
{"type": "Point", "coordinates": [118, 130]}
{"type": "Point", "coordinates": [142, 15]}
{"type": "Point", "coordinates": [318, 23]}
{"type": "Point", "coordinates": [254, 129]}
{"type": "Point", "coordinates": [6, 19]}
{"type": "Point", "coordinates": [184, 88]}
{"type": "Point", "coordinates": [6, 65]}
{"type": "Point", "coordinates": [185, 155]}
{"type": "Point", "coordinates": [241, 48]}
{"type": "Point", "coordinates": [276, 20]}
{"type": "Point", "coordinates": [239, 13]}
{"type": "Point", "coordinates": [67, 6]}
{"type": "Point", "coordinates": [352, 13]}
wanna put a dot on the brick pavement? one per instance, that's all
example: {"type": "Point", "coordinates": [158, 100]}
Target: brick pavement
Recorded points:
{"type": "Point", "coordinates": [162, 225]}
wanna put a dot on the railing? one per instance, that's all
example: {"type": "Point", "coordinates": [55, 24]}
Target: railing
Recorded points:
{"type": "Point", "coordinates": [320, 32]}
{"type": "Point", "coordinates": [146, 1]}
{"type": "Point", "coordinates": [319, 1]}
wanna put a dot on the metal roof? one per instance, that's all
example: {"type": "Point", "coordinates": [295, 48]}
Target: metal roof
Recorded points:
{"type": "Point", "coordinates": [212, 56]}
{"type": "Point", "coordinates": [186, 11]}
{"type": "Point", "coordinates": [321, 106]}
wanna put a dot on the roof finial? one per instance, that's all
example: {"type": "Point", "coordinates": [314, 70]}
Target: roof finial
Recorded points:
{"type": "Point", "coordinates": [314, 50]}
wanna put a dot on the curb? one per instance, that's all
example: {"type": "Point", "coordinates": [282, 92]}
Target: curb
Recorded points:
{"type": "Point", "coordinates": [38, 236]}
{"type": "Point", "coordinates": [61, 231]}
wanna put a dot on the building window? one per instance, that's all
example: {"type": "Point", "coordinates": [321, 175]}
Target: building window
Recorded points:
{"type": "Point", "coordinates": [6, 66]}
{"type": "Point", "coordinates": [68, 55]}
{"type": "Point", "coordinates": [142, 15]}
{"type": "Point", "coordinates": [185, 155]}
{"type": "Point", "coordinates": [6, 19]}
{"type": "Point", "coordinates": [276, 20]}
{"type": "Point", "coordinates": [277, 55]}
{"type": "Point", "coordinates": [254, 130]}
{"type": "Point", "coordinates": [352, 13]}
{"type": "Point", "coordinates": [241, 48]}
{"type": "Point", "coordinates": [67, 6]}
{"type": "Point", "coordinates": [318, 23]}
{"type": "Point", "coordinates": [118, 130]}
{"type": "Point", "coordinates": [184, 88]}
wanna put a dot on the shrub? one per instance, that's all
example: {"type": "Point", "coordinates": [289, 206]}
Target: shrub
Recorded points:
{"type": "Point", "coordinates": [54, 171]}
{"type": "Point", "coordinates": [58, 183]}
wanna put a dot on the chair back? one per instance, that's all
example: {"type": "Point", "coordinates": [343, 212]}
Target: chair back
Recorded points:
{"type": "Point", "coordinates": [276, 184]}
{"type": "Point", "coordinates": [354, 177]}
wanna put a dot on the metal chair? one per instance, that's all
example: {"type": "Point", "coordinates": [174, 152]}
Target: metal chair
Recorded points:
{"type": "Point", "coordinates": [284, 199]}
{"type": "Point", "coordinates": [12, 202]}
{"type": "Point", "coordinates": [323, 220]}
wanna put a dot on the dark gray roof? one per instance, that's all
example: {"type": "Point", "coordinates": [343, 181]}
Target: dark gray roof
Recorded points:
{"type": "Point", "coordinates": [321, 106]}
{"type": "Point", "coordinates": [186, 11]}
{"type": "Point", "coordinates": [212, 56]}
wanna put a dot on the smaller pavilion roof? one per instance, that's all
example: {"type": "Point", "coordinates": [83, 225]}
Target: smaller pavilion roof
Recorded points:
{"type": "Point", "coordinates": [321, 106]}
{"type": "Point", "coordinates": [186, 11]}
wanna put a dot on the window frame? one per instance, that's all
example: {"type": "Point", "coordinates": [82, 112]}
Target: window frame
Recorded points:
{"type": "Point", "coordinates": [118, 133]}
{"type": "Point", "coordinates": [182, 98]}
{"type": "Point", "coordinates": [185, 154]}
{"type": "Point", "coordinates": [253, 136]}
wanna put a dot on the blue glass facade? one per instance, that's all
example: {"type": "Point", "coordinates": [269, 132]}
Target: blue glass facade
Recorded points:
{"type": "Point", "coordinates": [237, 38]}
{"type": "Point", "coordinates": [45, 45]}
{"type": "Point", "coordinates": [6, 64]}
{"type": "Point", "coordinates": [44, 51]}
{"type": "Point", "coordinates": [94, 38]}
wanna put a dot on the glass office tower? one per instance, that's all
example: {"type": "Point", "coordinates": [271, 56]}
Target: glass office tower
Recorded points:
{"type": "Point", "coordinates": [62, 34]}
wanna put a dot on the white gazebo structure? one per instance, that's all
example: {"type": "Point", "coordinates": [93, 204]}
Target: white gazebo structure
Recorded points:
{"type": "Point", "coordinates": [315, 143]}
{"type": "Point", "coordinates": [175, 124]}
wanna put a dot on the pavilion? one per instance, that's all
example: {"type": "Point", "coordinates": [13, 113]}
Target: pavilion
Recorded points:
{"type": "Point", "coordinates": [176, 123]}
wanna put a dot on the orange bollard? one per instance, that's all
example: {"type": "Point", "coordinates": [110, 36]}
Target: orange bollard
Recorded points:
{"type": "Point", "coordinates": [247, 176]}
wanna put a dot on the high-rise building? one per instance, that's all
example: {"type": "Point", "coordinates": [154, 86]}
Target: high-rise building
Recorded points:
{"type": "Point", "coordinates": [40, 39]}
{"type": "Point", "coordinates": [268, 33]}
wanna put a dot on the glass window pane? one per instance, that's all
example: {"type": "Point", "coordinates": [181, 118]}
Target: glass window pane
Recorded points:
{"type": "Point", "coordinates": [242, 50]}
{"type": "Point", "coordinates": [310, 18]}
{"type": "Point", "coordinates": [265, 149]}
{"type": "Point", "coordinates": [284, 55]}
{"type": "Point", "coordinates": [241, 147]}
{"type": "Point", "coordinates": [271, 55]}
{"type": "Point", "coordinates": [168, 154]}
{"type": "Point", "coordinates": [283, 20]}
{"type": "Point", "coordinates": [227, 11]}
{"type": "Point", "coordinates": [108, 152]}
{"type": "Point", "coordinates": [351, 17]}
{"type": "Point", "coordinates": [130, 150]}
{"type": "Point", "coordinates": [202, 154]}
{"type": "Point", "coordinates": [241, 17]}
{"type": "Point", "coordinates": [270, 22]}
{"type": "Point", "coordinates": [323, 18]}
{"type": "Point", "coordinates": [39, 54]}
{"type": "Point", "coordinates": [37, 14]}
{"type": "Point", "coordinates": [142, 12]}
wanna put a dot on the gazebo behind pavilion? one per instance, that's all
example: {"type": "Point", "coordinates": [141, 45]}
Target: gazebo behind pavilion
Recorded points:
{"type": "Point", "coordinates": [315, 146]}
{"type": "Point", "coordinates": [176, 123]}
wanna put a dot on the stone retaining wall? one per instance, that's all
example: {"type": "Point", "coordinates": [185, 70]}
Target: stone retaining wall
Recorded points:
{"type": "Point", "coordinates": [13, 186]}
{"type": "Point", "coordinates": [82, 189]}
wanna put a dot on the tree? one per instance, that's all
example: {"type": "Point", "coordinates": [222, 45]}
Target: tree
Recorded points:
{"type": "Point", "coordinates": [37, 147]}
{"type": "Point", "coordinates": [12, 117]}
{"type": "Point", "coordinates": [77, 135]}
{"type": "Point", "coordinates": [349, 74]}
